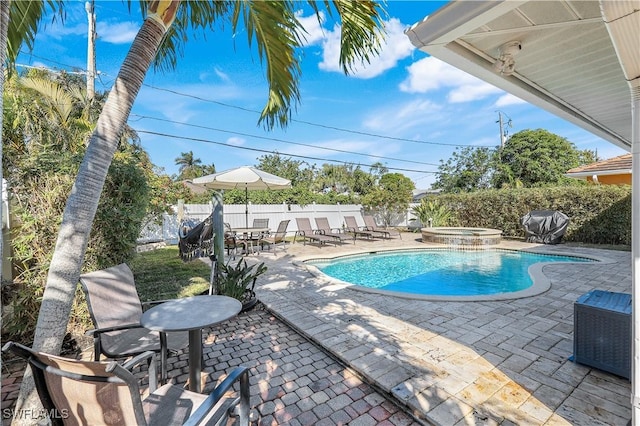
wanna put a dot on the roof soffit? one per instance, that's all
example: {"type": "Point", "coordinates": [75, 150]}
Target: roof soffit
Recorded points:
{"type": "Point", "coordinates": [568, 64]}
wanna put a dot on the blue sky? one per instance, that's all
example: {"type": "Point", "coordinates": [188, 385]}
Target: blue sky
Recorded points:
{"type": "Point", "coordinates": [405, 109]}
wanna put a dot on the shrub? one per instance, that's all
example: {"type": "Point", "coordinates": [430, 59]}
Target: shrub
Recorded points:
{"type": "Point", "coordinates": [599, 214]}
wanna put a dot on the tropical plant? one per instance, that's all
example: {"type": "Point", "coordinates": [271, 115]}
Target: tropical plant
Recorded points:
{"type": "Point", "coordinates": [238, 280]}
{"type": "Point", "coordinates": [432, 213]}
{"type": "Point", "coordinates": [277, 32]}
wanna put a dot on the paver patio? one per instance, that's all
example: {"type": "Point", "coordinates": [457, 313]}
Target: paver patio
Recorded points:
{"type": "Point", "coordinates": [447, 363]}
{"type": "Point", "coordinates": [455, 363]}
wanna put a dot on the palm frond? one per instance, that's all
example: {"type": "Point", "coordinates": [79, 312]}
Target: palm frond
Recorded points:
{"type": "Point", "coordinates": [24, 18]}
{"type": "Point", "coordinates": [191, 15]}
{"type": "Point", "coordinates": [362, 31]}
{"type": "Point", "coordinates": [276, 31]}
{"type": "Point", "coordinates": [58, 99]}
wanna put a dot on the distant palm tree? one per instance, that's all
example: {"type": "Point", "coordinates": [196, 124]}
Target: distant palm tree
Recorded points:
{"type": "Point", "coordinates": [187, 164]}
{"type": "Point", "coordinates": [277, 33]}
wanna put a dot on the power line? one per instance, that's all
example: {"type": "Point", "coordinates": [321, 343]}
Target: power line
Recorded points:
{"type": "Point", "coordinates": [309, 123]}
{"type": "Point", "coordinates": [282, 140]}
{"type": "Point", "coordinates": [266, 151]}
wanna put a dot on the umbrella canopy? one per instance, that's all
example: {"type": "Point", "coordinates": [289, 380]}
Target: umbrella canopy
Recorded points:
{"type": "Point", "coordinates": [245, 177]}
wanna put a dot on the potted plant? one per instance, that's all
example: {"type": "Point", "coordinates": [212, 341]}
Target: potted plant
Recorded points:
{"type": "Point", "coordinates": [238, 281]}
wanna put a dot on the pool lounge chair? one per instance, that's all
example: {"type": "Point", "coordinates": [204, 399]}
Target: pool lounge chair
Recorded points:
{"type": "Point", "coordinates": [325, 229]}
{"type": "Point", "coordinates": [370, 224]}
{"type": "Point", "coordinates": [306, 232]}
{"type": "Point", "coordinates": [358, 231]}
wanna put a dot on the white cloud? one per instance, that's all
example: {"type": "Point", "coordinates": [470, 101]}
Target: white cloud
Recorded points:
{"type": "Point", "coordinates": [509, 99]}
{"type": "Point", "coordinates": [396, 46]}
{"type": "Point", "coordinates": [61, 31]}
{"type": "Point", "coordinates": [472, 92]}
{"type": "Point", "coordinates": [236, 141]}
{"type": "Point", "coordinates": [398, 118]}
{"type": "Point", "coordinates": [117, 33]}
{"type": "Point", "coordinates": [432, 74]}
{"type": "Point", "coordinates": [222, 75]}
{"type": "Point", "coordinates": [313, 27]}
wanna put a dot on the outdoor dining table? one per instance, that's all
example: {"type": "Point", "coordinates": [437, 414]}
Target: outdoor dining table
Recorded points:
{"type": "Point", "coordinates": [247, 232]}
{"type": "Point", "coordinates": [190, 314]}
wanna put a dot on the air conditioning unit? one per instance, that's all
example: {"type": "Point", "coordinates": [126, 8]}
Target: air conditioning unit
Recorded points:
{"type": "Point", "coordinates": [602, 331]}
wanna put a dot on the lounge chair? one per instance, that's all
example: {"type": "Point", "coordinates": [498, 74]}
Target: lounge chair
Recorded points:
{"type": "Point", "coordinates": [325, 229]}
{"type": "Point", "coordinates": [370, 224]}
{"type": "Point", "coordinates": [306, 232]}
{"type": "Point", "coordinates": [115, 310]}
{"type": "Point", "coordinates": [273, 238]}
{"type": "Point", "coordinates": [358, 231]}
{"type": "Point", "coordinates": [91, 393]}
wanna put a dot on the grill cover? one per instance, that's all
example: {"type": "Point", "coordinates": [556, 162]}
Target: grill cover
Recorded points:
{"type": "Point", "coordinates": [544, 226]}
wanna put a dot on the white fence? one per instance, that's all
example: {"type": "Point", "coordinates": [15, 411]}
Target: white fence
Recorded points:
{"type": "Point", "coordinates": [234, 214]}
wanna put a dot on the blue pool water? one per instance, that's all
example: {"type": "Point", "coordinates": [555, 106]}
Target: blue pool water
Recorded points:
{"type": "Point", "coordinates": [440, 272]}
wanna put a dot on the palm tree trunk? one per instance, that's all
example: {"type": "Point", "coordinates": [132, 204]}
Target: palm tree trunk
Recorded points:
{"type": "Point", "coordinates": [4, 29]}
{"type": "Point", "coordinates": [80, 210]}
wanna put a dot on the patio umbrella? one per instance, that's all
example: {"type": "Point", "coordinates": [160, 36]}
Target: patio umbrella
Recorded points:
{"type": "Point", "coordinates": [245, 177]}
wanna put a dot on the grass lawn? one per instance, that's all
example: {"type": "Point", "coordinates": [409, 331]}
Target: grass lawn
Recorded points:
{"type": "Point", "coordinates": [161, 274]}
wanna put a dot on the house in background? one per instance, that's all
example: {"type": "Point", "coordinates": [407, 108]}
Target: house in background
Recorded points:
{"type": "Point", "coordinates": [613, 171]}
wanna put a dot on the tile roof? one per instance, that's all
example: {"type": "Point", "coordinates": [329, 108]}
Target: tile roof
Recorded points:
{"type": "Point", "coordinates": [620, 164]}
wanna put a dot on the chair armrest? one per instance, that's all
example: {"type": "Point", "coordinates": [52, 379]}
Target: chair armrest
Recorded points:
{"type": "Point", "coordinates": [150, 358]}
{"type": "Point", "coordinates": [96, 331]}
{"type": "Point", "coordinates": [150, 303]}
{"type": "Point", "coordinates": [240, 373]}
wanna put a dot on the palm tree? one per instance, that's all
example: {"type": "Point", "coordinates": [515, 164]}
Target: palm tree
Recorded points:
{"type": "Point", "coordinates": [13, 33]}
{"type": "Point", "coordinates": [277, 33]}
{"type": "Point", "coordinates": [190, 167]}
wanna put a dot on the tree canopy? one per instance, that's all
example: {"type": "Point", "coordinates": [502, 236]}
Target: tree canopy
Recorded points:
{"type": "Point", "coordinates": [529, 158]}
{"type": "Point", "coordinates": [537, 158]}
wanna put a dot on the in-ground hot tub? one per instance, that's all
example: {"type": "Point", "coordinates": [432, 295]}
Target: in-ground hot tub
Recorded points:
{"type": "Point", "coordinates": [462, 236]}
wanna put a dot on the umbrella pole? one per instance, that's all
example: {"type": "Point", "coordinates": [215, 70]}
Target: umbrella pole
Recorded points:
{"type": "Point", "coordinates": [246, 206]}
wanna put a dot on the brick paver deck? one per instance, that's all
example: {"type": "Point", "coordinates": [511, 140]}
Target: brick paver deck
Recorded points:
{"type": "Point", "coordinates": [447, 363]}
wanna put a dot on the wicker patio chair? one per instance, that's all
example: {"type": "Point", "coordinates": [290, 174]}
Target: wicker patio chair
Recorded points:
{"type": "Point", "coordinates": [115, 310]}
{"type": "Point", "coordinates": [93, 393]}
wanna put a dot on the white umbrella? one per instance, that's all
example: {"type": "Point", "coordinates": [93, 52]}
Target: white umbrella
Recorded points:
{"type": "Point", "coordinates": [245, 177]}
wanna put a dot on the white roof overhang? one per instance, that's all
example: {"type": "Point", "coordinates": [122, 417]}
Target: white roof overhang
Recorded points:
{"type": "Point", "coordinates": [572, 63]}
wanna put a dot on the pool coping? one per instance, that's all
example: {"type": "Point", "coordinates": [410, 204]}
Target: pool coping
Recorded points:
{"type": "Point", "coordinates": [541, 283]}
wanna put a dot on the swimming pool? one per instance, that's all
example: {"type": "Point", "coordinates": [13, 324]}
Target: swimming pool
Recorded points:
{"type": "Point", "coordinates": [445, 274]}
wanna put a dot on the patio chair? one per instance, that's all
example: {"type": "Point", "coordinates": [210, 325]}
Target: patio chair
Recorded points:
{"type": "Point", "coordinates": [370, 224]}
{"type": "Point", "coordinates": [325, 229]}
{"type": "Point", "coordinates": [357, 231]}
{"type": "Point", "coordinates": [232, 242]}
{"type": "Point", "coordinates": [91, 393]}
{"type": "Point", "coordinates": [274, 238]}
{"type": "Point", "coordinates": [306, 232]}
{"type": "Point", "coordinates": [115, 310]}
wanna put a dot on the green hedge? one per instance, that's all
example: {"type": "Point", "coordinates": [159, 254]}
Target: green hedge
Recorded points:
{"type": "Point", "coordinates": [599, 214]}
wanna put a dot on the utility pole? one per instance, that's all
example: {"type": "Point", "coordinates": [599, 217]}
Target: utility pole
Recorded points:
{"type": "Point", "coordinates": [503, 132]}
{"type": "Point", "coordinates": [91, 51]}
